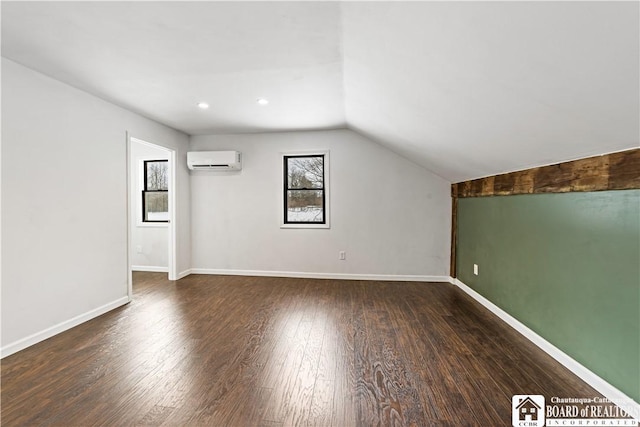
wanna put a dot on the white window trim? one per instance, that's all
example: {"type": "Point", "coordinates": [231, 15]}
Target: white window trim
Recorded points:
{"type": "Point", "coordinates": [327, 186]}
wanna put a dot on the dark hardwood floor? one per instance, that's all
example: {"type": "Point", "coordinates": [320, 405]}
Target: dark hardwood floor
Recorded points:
{"type": "Point", "coordinates": [248, 351]}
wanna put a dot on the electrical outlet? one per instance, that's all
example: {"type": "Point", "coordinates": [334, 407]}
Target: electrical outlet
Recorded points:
{"type": "Point", "coordinates": [139, 249]}
{"type": "Point", "coordinates": [342, 255]}
{"type": "Point", "coordinates": [475, 269]}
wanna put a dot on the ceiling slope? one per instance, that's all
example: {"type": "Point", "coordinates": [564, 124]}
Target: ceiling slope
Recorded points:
{"type": "Point", "coordinates": [465, 89]}
{"type": "Point", "coordinates": [470, 89]}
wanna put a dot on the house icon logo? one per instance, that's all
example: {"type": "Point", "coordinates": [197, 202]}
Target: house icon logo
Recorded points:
{"type": "Point", "coordinates": [527, 410]}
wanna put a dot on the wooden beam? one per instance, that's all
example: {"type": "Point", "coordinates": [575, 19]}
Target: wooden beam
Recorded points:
{"type": "Point", "coordinates": [616, 171]}
{"type": "Point", "coordinates": [454, 231]}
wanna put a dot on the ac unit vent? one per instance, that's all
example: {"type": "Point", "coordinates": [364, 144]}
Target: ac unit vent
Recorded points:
{"type": "Point", "coordinates": [214, 160]}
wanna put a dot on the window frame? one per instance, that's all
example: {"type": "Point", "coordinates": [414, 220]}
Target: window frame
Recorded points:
{"type": "Point", "coordinates": [326, 224]}
{"type": "Point", "coordinates": [145, 191]}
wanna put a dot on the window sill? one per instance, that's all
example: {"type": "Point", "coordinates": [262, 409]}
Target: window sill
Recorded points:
{"type": "Point", "coordinates": [153, 224]}
{"type": "Point", "coordinates": [319, 226]}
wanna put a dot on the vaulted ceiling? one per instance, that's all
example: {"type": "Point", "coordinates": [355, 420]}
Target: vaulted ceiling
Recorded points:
{"type": "Point", "coordinates": [465, 89]}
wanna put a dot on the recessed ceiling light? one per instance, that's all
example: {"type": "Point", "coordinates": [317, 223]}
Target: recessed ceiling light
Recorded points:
{"type": "Point", "coordinates": [203, 105]}
{"type": "Point", "coordinates": [262, 101]}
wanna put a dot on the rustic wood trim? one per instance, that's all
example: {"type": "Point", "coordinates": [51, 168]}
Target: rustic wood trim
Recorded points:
{"type": "Point", "coordinates": [454, 232]}
{"type": "Point", "coordinates": [616, 171]}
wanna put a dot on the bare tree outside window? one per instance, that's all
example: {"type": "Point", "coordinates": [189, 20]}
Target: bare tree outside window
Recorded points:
{"type": "Point", "coordinates": [155, 196]}
{"type": "Point", "coordinates": [156, 172]}
{"type": "Point", "coordinates": [305, 192]}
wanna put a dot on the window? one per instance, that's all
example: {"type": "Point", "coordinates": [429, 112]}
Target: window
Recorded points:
{"type": "Point", "coordinates": [155, 193]}
{"type": "Point", "coordinates": [305, 191]}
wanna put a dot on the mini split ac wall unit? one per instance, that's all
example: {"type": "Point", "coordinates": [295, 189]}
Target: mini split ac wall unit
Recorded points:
{"type": "Point", "coordinates": [214, 160]}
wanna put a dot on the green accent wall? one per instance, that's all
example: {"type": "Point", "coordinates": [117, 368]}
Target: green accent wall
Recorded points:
{"type": "Point", "coordinates": [567, 266]}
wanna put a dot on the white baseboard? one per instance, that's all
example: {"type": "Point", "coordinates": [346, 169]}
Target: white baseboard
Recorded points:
{"type": "Point", "coordinates": [150, 268]}
{"type": "Point", "coordinates": [602, 386]}
{"type": "Point", "coordinates": [183, 274]}
{"type": "Point", "coordinates": [309, 275]}
{"type": "Point", "coordinates": [23, 343]}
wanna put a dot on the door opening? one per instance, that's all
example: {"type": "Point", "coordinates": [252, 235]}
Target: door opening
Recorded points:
{"type": "Point", "coordinates": [151, 209]}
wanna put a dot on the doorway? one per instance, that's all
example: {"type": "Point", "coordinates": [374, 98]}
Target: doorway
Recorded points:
{"type": "Point", "coordinates": [151, 212]}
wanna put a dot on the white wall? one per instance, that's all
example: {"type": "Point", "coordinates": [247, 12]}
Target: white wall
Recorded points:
{"type": "Point", "coordinates": [151, 238]}
{"type": "Point", "coordinates": [64, 201]}
{"type": "Point", "coordinates": [391, 216]}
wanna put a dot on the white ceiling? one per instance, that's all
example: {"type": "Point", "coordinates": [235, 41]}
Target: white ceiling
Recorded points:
{"type": "Point", "coordinates": [161, 58]}
{"type": "Point", "coordinates": [466, 89]}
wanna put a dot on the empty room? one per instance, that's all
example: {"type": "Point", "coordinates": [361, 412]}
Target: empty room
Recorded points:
{"type": "Point", "coordinates": [320, 213]}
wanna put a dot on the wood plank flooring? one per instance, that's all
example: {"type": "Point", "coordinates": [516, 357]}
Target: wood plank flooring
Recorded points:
{"type": "Point", "coordinates": [248, 351]}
